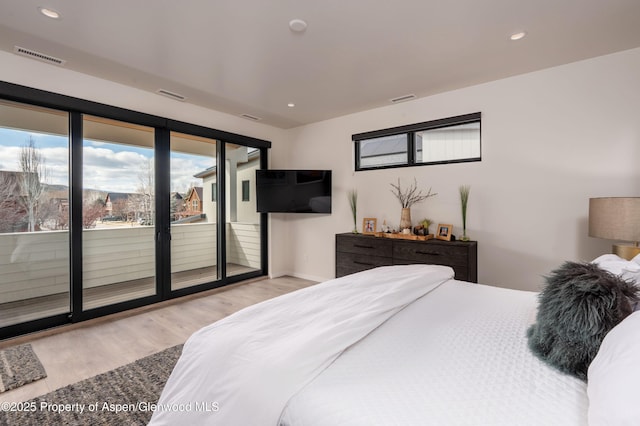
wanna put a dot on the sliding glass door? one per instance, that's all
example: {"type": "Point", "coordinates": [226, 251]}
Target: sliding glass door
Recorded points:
{"type": "Point", "coordinates": [34, 213]}
{"type": "Point", "coordinates": [193, 211]}
{"type": "Point", "coordinates": [242, 227]}
{"type": "Point", "coordinates": [104, 209]}
{"type": "Point", "coordinates": [118, 212]}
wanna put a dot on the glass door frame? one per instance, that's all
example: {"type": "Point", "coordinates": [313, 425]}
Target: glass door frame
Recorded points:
{"type": "Point", "coordinates": [76, 108]}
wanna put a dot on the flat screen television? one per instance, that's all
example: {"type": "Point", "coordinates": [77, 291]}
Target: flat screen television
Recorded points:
{"type": "Point", "coordinates": [293, 191]}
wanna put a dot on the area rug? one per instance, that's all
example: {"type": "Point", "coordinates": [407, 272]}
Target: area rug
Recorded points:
{"type": "Point", "coordinates": [124, 396]}
{"type": "Point", "coordinates": [19, 365]}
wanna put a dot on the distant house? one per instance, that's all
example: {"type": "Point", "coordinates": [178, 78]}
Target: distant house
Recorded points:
{"type": "Point", "coordinates": [127, 206]}
{"type": "Point", "coordinates": [194, 200]}
{"type": "Point", "coordinates": [191, 205]}
{"type": "Point", "coordinates": [115, 204]}
{"type": "Point", "coordinates": [177, 205]}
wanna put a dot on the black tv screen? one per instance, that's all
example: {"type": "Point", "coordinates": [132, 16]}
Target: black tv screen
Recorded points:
{"type": "Point", "coordinates": [293, 191]}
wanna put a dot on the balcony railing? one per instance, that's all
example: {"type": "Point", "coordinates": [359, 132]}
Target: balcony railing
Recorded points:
{"type": "Point", "coordinates": [36, 264]}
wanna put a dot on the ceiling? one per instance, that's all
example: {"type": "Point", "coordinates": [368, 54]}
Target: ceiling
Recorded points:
{"type": "Point", "coordinates": [240, 56]}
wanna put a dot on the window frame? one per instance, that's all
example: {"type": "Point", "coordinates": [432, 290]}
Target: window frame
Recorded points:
{"type": "Point", "coordinates": [246, 190]}
{"type": "Point", "coordinates": [410, 131]}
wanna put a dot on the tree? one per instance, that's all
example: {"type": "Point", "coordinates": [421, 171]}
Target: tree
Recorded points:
{"type": "Point", "coordinates": [93, 208]}
{"type": "Point", "coordinates": [11, 212]}
{"type": "Point", "coordinates": [145, 199]}
{"type": "Point", "coordinates": [91, 212]}
{"type": "Point", "coordinates": [32, 165]}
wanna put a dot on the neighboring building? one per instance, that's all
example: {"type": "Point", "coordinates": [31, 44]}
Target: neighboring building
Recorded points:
{"type": "Point", "coordinates": [191, 203]}
{"type": "Point", "coordinates": [115, 204]}
{"type": "Point", "coordinates": [240, 187]}
{"type": "Point", "coordinates": [177, 205]}
{"type": "Point", "coordinates": [129, 207]}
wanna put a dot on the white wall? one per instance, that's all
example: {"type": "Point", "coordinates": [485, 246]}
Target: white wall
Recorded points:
{"type": "Point", "coordinates": [550, 140]}
{"type": "Point", "coordinates": [32, 73]}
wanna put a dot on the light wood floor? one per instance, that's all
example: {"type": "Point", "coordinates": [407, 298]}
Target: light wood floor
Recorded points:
{"type": "Point", "coordinates": [79, 351]}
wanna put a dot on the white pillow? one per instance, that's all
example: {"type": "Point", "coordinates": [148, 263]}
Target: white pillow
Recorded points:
{"type": "Point", "coordinates": [625, 269]}
{"type": "Point", "coordinates": [613, 376]}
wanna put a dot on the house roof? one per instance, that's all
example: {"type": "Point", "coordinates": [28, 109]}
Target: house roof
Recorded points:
{"type": "Point", "coordinates": [251, 156]}
{"type": "Point", "coordinates": [197, 190]}
{"type": "Point", "coordinates": [354, 55]}
{"type": "Point", "coordinates": [116, 196]}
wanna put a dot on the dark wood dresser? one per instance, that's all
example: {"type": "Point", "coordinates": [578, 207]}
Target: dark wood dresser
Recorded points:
{"type": "Point", "coordinates": [357, 252]}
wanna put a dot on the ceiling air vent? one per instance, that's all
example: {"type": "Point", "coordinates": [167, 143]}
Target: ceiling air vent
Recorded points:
{"type": "Point", "coordinates": [250, 117]}
{"type": "Point", "coordinates": [171, 95]}
{"type": "Point", "coordinates": [37, 55]}
{"type": "Point", "coordinates": [403, 98]}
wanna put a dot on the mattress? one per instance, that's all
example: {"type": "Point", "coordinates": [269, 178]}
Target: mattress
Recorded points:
{"type": "Point", "coordinates": [456, 356]}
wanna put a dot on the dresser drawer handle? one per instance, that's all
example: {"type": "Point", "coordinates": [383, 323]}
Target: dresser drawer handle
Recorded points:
{"type": "Point", "coordinates": [428, 253]}
{"type": "Point", "coordinates": [363, 263]}
{"type": "Point", "coordinates": [361, 246]}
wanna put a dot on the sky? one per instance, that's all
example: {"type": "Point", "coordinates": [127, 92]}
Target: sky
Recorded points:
{"type": "Point", "coordinates": [108, 167]}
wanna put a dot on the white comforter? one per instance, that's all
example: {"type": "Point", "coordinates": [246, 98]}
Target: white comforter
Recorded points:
{"type": "Point", "coordinates": [457, 356]}
{"type": "Point", "coordinates": [243, 369]}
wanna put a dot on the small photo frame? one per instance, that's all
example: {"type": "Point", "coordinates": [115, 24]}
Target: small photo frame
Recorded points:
{"type": "Point", "coordinates": [369, 225]}
{"type": "Point", "coordinates": [444, 231]}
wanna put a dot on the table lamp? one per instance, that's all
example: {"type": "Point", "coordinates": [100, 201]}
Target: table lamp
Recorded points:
{"type": "Point", "coordinates": [616, 218]}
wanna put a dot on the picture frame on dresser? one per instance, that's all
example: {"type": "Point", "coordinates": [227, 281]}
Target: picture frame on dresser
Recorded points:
{"type": "Point", "coordinates": [369, 225]}
{"type": "Point", "coordinates": [444, 232]}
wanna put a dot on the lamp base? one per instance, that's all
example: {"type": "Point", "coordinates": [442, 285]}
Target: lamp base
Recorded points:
{"type": "Point", "coordinates": [625, 251]}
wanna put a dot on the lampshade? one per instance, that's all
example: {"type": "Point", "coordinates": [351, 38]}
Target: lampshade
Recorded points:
{"type": "Point", "coordinates": [616, 218]}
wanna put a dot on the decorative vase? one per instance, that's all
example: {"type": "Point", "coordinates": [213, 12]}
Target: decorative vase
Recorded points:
{"type": "Point", "coordinates": [405, 219]}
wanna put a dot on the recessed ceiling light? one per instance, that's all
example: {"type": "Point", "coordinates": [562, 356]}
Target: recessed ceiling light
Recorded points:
{"type": "Point", "coordinates": [291, 104]}
{"type": "Point", "coordinates": [297, 25]}
{"type": "Point", "coordinates": [518, 36]}
{"type": "Point", "coordinates": [49, 13]}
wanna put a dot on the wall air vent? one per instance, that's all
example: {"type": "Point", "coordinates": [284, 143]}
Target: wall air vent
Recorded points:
{"type": "Point", "coordinates": [403, 98]}
{"type": "Point", "coordinates": [250, 117]}
{"type": "Point", "coordinates": [171, 95]}
{"type": "Point", "coordinates": [37, 55]}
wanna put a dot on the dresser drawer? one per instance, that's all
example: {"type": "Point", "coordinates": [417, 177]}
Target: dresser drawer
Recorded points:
{"type": "Point", "coordinates": [357, 252]}
{"type": "Point", "coordinates": [349, 263]}
{"type": "Point", "coordinates": [434, 253]}
{"type": "Point", "coordinates": [362, 244]}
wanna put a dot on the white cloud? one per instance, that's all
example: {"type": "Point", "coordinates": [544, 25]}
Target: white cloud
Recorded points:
{"type": "Point", "coordinates": [109, 168]}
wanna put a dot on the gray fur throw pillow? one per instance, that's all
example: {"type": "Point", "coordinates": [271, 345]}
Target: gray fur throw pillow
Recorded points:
{"type": "Point", "coordinates": [578, 306]}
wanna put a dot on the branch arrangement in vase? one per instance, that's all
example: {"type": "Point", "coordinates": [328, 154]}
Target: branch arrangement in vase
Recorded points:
{"type": "Point", "coordinates": [411, 195]}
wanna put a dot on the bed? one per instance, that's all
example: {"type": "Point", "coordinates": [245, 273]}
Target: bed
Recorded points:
{"type": "Point", "coordinates": [399, 345]}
